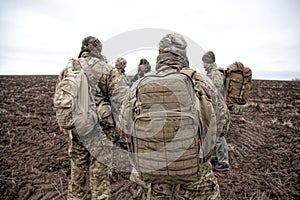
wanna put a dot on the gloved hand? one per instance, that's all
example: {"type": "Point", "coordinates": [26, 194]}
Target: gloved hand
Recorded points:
{"type": "Point", "coordinates": [105, 116]}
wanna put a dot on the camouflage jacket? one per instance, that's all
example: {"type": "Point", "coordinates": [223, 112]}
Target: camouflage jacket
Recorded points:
{"type": "Point", "coordinates": [216, 76]}
{"type": "Point", "coordinates": [105, 81]}
{"type": "Point", "coordinates": [141, 73]}
{"type": "Point", "coordinates": [122, 74]}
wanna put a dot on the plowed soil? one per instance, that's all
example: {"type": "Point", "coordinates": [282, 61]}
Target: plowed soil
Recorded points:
{"type": "Point", "coordinates": [264, 144]}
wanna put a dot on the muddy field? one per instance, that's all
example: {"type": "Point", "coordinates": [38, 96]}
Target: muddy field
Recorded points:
{"type": "Point", "coordinates": [264, 144]}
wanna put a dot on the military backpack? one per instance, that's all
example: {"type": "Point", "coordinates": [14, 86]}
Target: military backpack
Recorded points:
{"type": "Point", "coordinates": [237, 84]}
{"type": "Point", "coordinates": [166, 136]}
{"type": "Point", "coordinates": [73, 100]}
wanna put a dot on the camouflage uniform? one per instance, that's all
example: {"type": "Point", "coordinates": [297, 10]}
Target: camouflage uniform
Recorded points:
{"type": "Point", "coordinates": [85, 152]}
{"type": "Point", "coordinates": [206, 188]}
{"type": "Point", "coordinates": [141, 72]}
{"type": "Point", "coordinates": [217, 77]}
{"type": "Point", "coordinates": [120, 62]}
{"type": "Point", "coordinates": [172, 57]}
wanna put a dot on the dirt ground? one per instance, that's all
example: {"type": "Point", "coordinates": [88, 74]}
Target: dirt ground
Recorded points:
{"type": "Point", "coordinates": [264, 144]}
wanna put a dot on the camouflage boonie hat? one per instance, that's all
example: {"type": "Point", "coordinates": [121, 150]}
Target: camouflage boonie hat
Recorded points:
{"type": "Point", "coordinates": [120, 62]}
{"type": "Point", "coordinates": [209, 57]}
{"type": "Point", "coordinates": [92, 45]}
{"type": "Point", "coordinates": [174, 43]}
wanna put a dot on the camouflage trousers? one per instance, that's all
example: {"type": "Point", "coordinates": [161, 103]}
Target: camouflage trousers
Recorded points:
{"type": "Point", "coordinates": [87, 173]}
{"type": "Point", "coordinates": [206, 188]}
{"type": "Point", "coordinates": [220, 153]}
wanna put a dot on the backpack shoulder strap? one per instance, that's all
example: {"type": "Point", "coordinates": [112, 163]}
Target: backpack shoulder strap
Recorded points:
{"type": "Point", "coordinates": [222, 70]}
{"type": "Point", "coordinates": [188, 71]}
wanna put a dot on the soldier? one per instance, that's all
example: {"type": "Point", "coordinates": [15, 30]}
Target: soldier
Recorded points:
{"type": "Point", "coordinates": [220, 159]}
{"type": "Point", "coordinates": [172, 58]}
{"type": "Point", "coordinates": [121, 65]}
{"type": "Point", "coordinates": [109, 87]}
{"type": "Point", "coordinates": [143, 68]}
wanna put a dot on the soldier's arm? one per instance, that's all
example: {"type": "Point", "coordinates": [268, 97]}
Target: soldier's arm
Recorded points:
{"type": "Point", "coordinates": [218, 79]}
{"type": "Point", "coordinates": [125, 121]}
{"type": "Point", "coordinates": [220, 108]}
{"type": "Point", "coordinates": [117, 91]}
{"type": "Point", "coordinates": [102, 88]}
{"type": "Point", "coordinates": [62, 74]}
{"type": "Point", "coordinates": [222, 115]}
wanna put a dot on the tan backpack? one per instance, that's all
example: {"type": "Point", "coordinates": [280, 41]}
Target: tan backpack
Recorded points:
{"type": "Point", "coordinates": [73, 100]}
{"type": "Point", "coordinates": [166, 136]}
{"type": "Point", "coordinates": [237, 84]}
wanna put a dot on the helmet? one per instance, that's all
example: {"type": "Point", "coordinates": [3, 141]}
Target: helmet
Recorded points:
{"type": "Point", "coordinates": [120, 62]}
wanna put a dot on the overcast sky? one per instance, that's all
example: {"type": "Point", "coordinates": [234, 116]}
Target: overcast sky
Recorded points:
{"type": "Point", "coordinates": [39, 36]}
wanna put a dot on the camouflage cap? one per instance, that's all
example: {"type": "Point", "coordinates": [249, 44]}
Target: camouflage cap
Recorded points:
{"type": "Point", "coordinates": [92, 45]}
{"type": "Point", "coordinates": [120, 62]}
{"type": "Point", "coordinates": [209, 57]}
{"type": "Point", "coordinates": [173, 43]}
